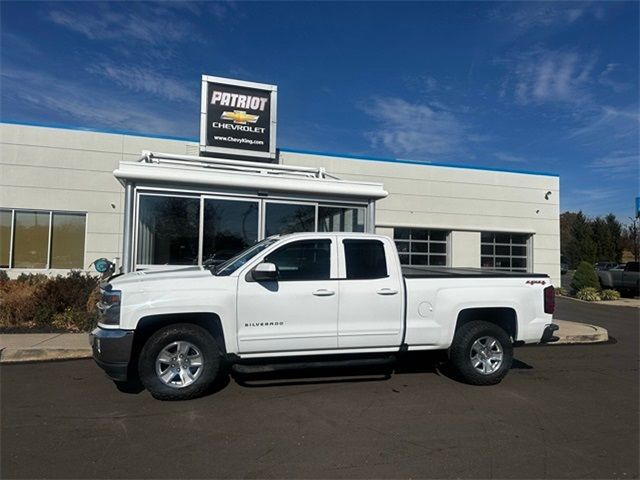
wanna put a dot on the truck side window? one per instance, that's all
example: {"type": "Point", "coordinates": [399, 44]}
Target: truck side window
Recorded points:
{"type": "Point", "coordinates": [365, 259]}
{"type": "Point", "coordinates": [304, 260]}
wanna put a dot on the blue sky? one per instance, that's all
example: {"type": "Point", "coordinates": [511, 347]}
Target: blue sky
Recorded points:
{"type": "Point", "coordinates": [543, 86]}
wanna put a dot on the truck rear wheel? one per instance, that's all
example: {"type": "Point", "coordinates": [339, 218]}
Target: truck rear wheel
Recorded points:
{"type": "Point", "coordinates": [179, 362]}
{"type": "Point", "coordinates": [481, 353]}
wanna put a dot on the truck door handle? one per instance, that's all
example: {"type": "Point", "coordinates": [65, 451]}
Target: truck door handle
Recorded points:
{"type": "Point", "coordinates": [323, 292]}
{"type": "Point", "coordinates": [387, 291]}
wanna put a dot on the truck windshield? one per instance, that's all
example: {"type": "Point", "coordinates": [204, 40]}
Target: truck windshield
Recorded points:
{"type": "Point", "coordinates": [227, 268]}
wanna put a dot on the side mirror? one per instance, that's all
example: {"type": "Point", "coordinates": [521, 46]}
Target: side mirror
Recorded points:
{"type": "Point", "coordinates": [265, 272]}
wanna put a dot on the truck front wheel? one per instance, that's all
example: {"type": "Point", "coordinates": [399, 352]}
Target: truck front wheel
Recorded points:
{"type": "Point", "coordinates": [179, 362]}
{"type": "Point", "coordinates": [481, 353]}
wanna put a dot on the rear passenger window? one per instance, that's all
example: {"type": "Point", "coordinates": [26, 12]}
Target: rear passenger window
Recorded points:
{"type": "Point", "coordinates": [365, 259]}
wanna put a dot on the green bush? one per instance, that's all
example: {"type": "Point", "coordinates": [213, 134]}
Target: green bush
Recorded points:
{"type": "Point", "coordinates": [4, 277]}
{"type": "Point", "coordinates": [585, 277]}
{"type": "Point", "coordinates": [39, 303]}
{"type": "Point", "coordinates": [561, 292]}
{"type": "Point", "coordinates": [589, 294]}
{"type": "Point", "coordinates": [610, 295]}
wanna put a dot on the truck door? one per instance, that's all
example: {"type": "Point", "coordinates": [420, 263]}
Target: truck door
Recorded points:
{"type": "Point", "coordinates": [371, 295]}
{"type": "Point", "coordinates": [299, 310]}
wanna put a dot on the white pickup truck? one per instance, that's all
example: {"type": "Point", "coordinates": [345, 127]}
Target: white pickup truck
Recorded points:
{"type": "Point", "coordinates": [301, 299]}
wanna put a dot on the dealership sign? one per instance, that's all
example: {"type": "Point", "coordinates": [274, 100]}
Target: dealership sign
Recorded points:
{"type": "Point", "coordinates": [238, 118]}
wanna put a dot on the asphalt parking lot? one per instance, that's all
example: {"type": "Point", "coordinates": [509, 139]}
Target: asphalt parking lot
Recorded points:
{"type": "Point", "coordinates": [562, 412]}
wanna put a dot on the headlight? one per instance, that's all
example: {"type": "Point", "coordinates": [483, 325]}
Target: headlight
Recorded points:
{"type": "Point", "coordinates": [109, 306]}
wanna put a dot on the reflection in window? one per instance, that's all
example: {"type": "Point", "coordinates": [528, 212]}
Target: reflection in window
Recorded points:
{"type": "Point", "coordinates": [421, 246]}
{"type": "Point", "coordinates": [168, 230]}
{"type": "Point", "coordinates": [304, 260]}
{"type": "Point", "coordinates": [67, 240]}
{"type": "Point", "coordinates": [340, 219]}
{"type": "Point", "coordinates": [31, 240]}
{"type": "Point", "coordinates": [5, 237]}
{"type": "Point", "coordinates": [230, 226]}
{"type": "Point", "coordinates": [282, 218]}
{"type": "Point", "coordinates": [504, 251]}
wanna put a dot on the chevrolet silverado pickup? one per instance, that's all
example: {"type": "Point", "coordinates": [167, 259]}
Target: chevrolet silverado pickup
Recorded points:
{"type": "Point", "coordinates": [301, 299]}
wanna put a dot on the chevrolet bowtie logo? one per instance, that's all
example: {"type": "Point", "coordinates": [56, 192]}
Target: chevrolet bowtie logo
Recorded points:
{"type": "Point", "coordinates": [239, 116]}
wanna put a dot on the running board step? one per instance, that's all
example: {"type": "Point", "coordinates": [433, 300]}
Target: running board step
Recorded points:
{"type": "Point", "coordinates": [279, 367]}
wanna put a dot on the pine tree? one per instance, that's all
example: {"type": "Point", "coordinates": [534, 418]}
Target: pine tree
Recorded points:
{"type": "Point", "coordinates": [582, 247]}
{"type": "Point", "coordinates": [615, 229]}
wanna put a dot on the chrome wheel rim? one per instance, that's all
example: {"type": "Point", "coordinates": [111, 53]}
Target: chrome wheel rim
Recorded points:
{"type": "Point", "coordinates": [179, 364]}
{"type": "Point", "coordinates": [486, 355]}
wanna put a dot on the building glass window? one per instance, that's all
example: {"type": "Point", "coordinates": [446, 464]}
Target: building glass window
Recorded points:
{"type": "Point", "coordinates": [31, 240]}
{"type": "Point", "coordinates": [5, 237]}
{"type": "Point", "coordinates": [42, 239]}
{"type": "Point", "coordinates": [168, 230]}
{"type": "Point", "coordinates": [194, 229]}
{"type": "Point", "coordinates": [504, 251]}
{"type": "Point", "coordinates": [282, 218]}
{"type": "Point", "coordinates": [230, 226]}
{"type": "Point", "coordinates": [67, 240]}
{"type": "Point", "coordinates": [420, 246]}
{"type": "Point", "coordinates": [340, 219]}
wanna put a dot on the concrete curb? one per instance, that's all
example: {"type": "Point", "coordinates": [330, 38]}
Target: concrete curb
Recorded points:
{"type": "Point", "coordinates": [10, 355]}
{"type": "Point", "coordinates": [575, 333]}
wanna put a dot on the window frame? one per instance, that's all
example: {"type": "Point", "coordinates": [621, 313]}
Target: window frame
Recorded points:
{"type": "Point", "coordinates": [385, 250]}
{"type": "Point", "coordinates": [50, 213]}
{"type": "Point", "coordinates": [428, 254]}
{"type": "Point", "coordinates": [328, 240]}
{"type": "Point", "coordinates": [11, 228]}
{"type": "Point", "coordinates": [528, 256]}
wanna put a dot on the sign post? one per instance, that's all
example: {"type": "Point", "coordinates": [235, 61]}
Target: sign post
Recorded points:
{"type": "Point", "coordinates": [238, 119]}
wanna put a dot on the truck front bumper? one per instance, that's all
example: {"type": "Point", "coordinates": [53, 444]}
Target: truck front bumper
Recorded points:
{"type": "Point", "coordinates": [547, 335]}
{"type": "Point", "coordinates": [112, 351]}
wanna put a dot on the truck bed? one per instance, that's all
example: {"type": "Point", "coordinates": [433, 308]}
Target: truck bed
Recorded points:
{"type": "Point", "coordinates": [448, 272]}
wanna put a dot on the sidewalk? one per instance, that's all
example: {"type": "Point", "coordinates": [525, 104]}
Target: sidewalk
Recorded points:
{"type": "Point", "coordinates": [29, 347]}
{"type": "Point", "coordinates": [574, 332]}
{"type": "Point", "coordinates": [25, 347]}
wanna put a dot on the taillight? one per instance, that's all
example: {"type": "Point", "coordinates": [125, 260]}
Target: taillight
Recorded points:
{"type": "Point", "coordinates": [549, 300]}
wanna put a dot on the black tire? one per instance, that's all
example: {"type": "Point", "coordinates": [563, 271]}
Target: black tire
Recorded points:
{"type": "Point", "coordinates": [185, 332]}
{"type": "Point", "coordinates": [461, 350]}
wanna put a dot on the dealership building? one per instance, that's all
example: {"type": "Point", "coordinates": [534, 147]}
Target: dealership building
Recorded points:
{"type": "Point", "coordinates": [71, 196]}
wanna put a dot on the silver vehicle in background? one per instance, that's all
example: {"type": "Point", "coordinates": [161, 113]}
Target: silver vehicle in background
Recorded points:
{"type": "Point", "coordinates": [626, 279]}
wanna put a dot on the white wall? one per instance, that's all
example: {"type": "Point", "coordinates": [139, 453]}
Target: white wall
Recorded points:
{"type": "Point", "coordinates": [465, 249]}
{"type": "Point", "coordinates": [59, 169]}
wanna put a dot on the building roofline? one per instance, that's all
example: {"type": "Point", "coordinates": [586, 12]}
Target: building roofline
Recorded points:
{"type": "Point", "coordinates": [417, 162]}
{"type": "Point", "coordinates": [99, 130]}
{"type": "Point", "coordinates": [286, 150]}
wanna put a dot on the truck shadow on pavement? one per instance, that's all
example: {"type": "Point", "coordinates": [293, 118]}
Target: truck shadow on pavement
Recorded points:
{"type": "Point", "coordinates": [408, 363]}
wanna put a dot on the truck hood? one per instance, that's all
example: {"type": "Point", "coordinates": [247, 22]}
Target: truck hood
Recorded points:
{"type": "Point", "coordinates": [172, 275]}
